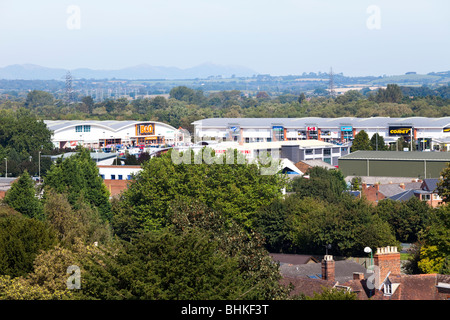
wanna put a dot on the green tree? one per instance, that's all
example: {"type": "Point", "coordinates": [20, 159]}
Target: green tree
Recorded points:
{"type": "Point", "coordinates": [443, 186]}
{"type": "Point", "coordinates": [301, 98]}
{"type": "Point", "coordinates": [89, 103]}
{"type": "Point", "coordinates": [78, 177]}
{"type": "Point", "coordinates": [37, 98]}
{"type": "Point", "coordinates": [22, 197]}
{"type": "Point", "coordinates": [165, 266]}
{"type": "Point", "coordinates": [333, 294]}
{"type": "Point", "coordinates": [361, 142]}
{"type": "Point", "coordinates": [20, 288]}
{"type": "Point", "coordinates": [377, 143]}
{"type": "Point", "coordinates": [72, 225]}
{"type": "Point", "coordinates": [407, 218]}
{"type": "Point", "coordinates": [21, 240]}
{"type": "Point", "coordinates": [255, 264]}
{"type": "Point", "coordinates": [237, 190]}
{"type": "Point", "coordinates": [348, 226]}
{"type": "Point", "coordinates": [392, 93]}
{"type": "Point", "coordinates": [320, 182]}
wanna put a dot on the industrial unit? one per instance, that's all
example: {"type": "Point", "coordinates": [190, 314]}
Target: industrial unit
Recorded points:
{"type": "Point", "coordinates": [425, 133]}
{"type": "Point", "coordinates": [415, 164]}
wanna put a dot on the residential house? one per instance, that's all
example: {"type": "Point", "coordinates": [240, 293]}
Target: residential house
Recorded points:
{"type": "Point", "coordinates": [382, 281]}
{"type": "Point", "coordinates": [426, 192]}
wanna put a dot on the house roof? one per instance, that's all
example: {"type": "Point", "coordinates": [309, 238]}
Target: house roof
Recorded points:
{"type": "Point", "coordinates": [412, 287]}
{"type": "Point", "coordinates": [403, 196]}
{"type": "Point", "coordinates": [388, 190]}
{"type": "Point", "coordinates": [429, 184]}
{"type": "Point", "coordinates": [294, 259]}
{"type": "Point", "coordinates": [344, 270]}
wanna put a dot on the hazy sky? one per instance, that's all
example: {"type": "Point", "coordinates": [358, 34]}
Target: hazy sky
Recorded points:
{"type": "Point", "coordinates": [280, 37]}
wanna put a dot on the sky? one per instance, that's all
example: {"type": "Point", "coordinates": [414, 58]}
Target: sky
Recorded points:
{"type": "Point", "coordinates": [277, 37]}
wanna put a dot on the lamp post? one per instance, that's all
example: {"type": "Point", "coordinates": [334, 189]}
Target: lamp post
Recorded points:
{"type": "Point", "coordinates": [369, 250]}
{"type": "Point", "coordinates": [39, 161]}
{"type": "Point", "coordinates": [6, 168]}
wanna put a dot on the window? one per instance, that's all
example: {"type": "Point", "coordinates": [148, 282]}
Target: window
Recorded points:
{"type": "Point", "coordinates": [87, 128]}
{"type": "Point", "coordinates": [327, 152]}
{"type": "Point", "coordinates": [309, 151]}
{"type": "Point", "coordinates": [426, 197]}
{"type": "Point", "coordinates": [120, 177]}
{"type": "Point", "coordinates": [388, 288]}
{"type": "Point", "coordinates": [79, 129]}
{"type": "Point", "coordinates": [102, 176]}
{"type": "Point", "coordinates": [129, 177]}
{"type": "Point", "coordinates": [113, 177]}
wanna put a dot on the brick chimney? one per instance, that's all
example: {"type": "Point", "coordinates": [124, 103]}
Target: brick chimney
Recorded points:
{"type": "Point", "coordinates": [387, 259]}
{"type": "Point", "coordinates": [328, 268]}
{"type": "Point", "coordinates": [402, 185]}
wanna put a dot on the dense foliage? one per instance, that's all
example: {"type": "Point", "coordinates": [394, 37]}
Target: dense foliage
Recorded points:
{"type": "Point", "coordinates": [196, 229]}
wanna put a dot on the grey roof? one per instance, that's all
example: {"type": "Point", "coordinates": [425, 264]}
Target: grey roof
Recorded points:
{"type": "Point", "coordinates": [94, 155]}
{"type": "Point", "coordinates": [430, 184]}
{"type": "Point", "coordinates": [285, 258]}
{"type": "Point", "coordinates": [397, 155]}
{"type": "Point", "coordinates": [318, 163]}
{"type": "Point", "coordinates": [343, 270]}
{"type": "Point", "coordinates": [404, 196]}
{"type": "Point", "coordinates": [373, 122]}
{"type": "Point", "coordinates": [388, 190]}
{"type": "Point", "coordinates": [113, 125]}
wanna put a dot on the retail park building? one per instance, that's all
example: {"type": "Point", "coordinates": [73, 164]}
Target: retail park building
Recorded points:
{"type": "Point", "coordinates": [426, 133]}
{"type": "Point", "coordinates": [96, 134]}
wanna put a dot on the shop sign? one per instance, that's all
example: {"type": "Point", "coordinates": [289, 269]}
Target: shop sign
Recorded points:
{"type": "Point", "coordinates": [144, 129]}
{"type": "Point", "coordinates": [400, 131]}
{"type": "Point", "coordinates": [346, 128]}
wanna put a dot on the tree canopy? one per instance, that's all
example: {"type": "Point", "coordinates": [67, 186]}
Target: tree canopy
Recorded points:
{"type": "Point", "coordinates": [78, 177]}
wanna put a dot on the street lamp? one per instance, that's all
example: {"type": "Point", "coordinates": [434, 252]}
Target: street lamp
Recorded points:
{"type": "Point", "coordinates": [6, 168]}
{"type": "Point", "coordinates": [369, 250]}
{"type": "Point", "coordinates": [39, 167]}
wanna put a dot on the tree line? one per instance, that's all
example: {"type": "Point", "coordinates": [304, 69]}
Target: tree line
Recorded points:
{"type": "Point", "coordinates": [193, 231]}
{"type": "Point", "coordinates": [185, 105]}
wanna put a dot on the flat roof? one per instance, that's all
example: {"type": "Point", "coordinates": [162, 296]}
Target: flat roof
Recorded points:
{"type": "Point", "coordinates": [113, 125]}
{"type": "Point", "coordinates": [397, 155]}
{"type": "Point", "coordinates": [94, 155]}
{"type": "Point", "coordinates": [372, 122]}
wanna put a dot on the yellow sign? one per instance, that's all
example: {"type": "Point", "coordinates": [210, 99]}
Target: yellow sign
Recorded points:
{"type": "Point", "coordinates": [399, 131]}
{"type": "Point", "coordinates": [145, 129]}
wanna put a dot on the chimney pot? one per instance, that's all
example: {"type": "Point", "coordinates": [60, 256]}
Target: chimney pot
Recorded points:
{"type": "Point", "coordinates": [358, 276]}
{"type": "Point", "coordinates": [328, 268]}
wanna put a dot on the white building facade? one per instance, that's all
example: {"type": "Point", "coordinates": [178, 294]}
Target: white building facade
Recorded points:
{"type": "Point", "coordinates": [96, 134]}
{"type": "Point", "coordinates": [425, 133]}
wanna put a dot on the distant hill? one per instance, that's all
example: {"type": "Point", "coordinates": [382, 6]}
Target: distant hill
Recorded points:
{"type": "Point", "coordinates": [143, 71]}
